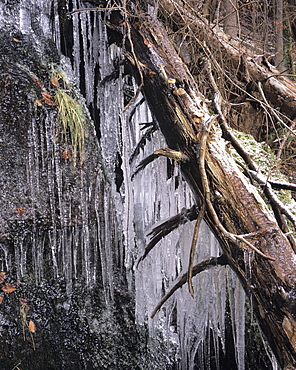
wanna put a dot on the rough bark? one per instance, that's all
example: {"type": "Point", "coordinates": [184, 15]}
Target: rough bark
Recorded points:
{"type": "Point", "coordinates": [182, 114]}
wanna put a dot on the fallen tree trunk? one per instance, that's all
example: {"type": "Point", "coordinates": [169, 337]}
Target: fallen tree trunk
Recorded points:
{"type": "Point", "coordinates": [249, 65]}
{"type": "Point", "coordinates": [233, 208]}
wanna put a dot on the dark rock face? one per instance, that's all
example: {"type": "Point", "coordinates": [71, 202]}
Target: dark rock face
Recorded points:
{"type": "Point", "coordinates": [59, 309]}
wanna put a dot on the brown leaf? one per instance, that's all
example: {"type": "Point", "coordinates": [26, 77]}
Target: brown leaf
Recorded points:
{"type": "Point", "coordinates": [55, 81]}
{"type": "Point", "coordinates": [1, 299]}
{"type": "Point", "coordinates": [66, 154]}
{"type": "Point", "coordinates": [198, 136]}
{"type": "Point", "coordinates": [23, 300]}
{"type": "Point", "coordinates": [142, 65]}
{"type": "Point", "coordinates": [37, 80]}
{"type": "Point", "coordinates": [32, 326]}
{"type": "Point", "coordinates": [181, 91]}
{"type": "Point", "coordinates": [19, 211]}
{"type": "Point", "coordinates": [16, 40]}
{"type": "Point", "coordinates": [38, 103]}
{"type": "Point", "coordinates": [8, 288]}
{"type": "Point", "coordinates": [2, 277]}
{"type": "Point", "coordinates": [196, 119]}
{"type": "Point", "coordinates": [48, 98]}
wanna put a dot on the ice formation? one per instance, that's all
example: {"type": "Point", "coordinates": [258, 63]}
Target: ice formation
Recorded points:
{"type": "Point", "coordinates": [128, 211]}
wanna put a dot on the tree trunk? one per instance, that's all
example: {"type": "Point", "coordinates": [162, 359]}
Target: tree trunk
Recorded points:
{"type": "Point", "coordinates": [279, 35]}
{"type": "Point", "coordinates": [230, 18]}
{"type": "Point", "coordinates": [182, 114]}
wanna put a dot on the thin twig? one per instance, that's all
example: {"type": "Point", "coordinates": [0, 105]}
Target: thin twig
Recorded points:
{"type": "Point", "coordinates": [202, 151]}
{"type": "Point", "coordinates": [95, 9]}
{"type": "Point", "coordinates": [274, 112]}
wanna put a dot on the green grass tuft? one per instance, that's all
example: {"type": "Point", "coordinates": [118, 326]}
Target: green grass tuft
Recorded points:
{"type": "Point", "coordinates": [72, 120]}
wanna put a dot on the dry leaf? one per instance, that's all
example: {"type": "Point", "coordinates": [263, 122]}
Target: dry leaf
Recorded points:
{"type": "Point", "coordinates": [8, 288]}
{"type": "Point", "coordinates": [16, 40]}
{"type": "Point", "coordinates": [66, 154]}
{"type": "Point", "coordinates": [142, 65]}
{"type": "Point", "coordinates": [19, 211]}
{"type": "Point", "coordinates": [37, 80]}
{"type": "Point", "coordinates": [146, 42]}
{"type": "Point", "coordinates": [55, 81]}
{"type": "Point", "coordinates": [23, 300]}
{"type": "Point", "coordinates": [38, 103]}
{"type": "Point", "coordinates": [2, 277]}
{"type": "Point", "coordinates": [48, 98]}
{"type": "Point", "coordinates": [181, 91]}
{"type": "Point", "coordinates": [1, 299]}
{"type": "Point", "coordinates": [31, 326]}
{"type": "Point", "coordinates": [198, 136]}
{"type": "Point", "coordinates": [171, 81]}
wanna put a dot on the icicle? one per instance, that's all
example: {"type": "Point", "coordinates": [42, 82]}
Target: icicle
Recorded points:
{"type": "Point", "coordinates": [237, 310]}
{"type": "Point", "coordinates": [25, 19]}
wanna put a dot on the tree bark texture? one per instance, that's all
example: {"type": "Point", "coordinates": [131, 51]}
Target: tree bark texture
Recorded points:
{"type": "Point", "coordinates": [182, 114]}
{"type": "Point", "coordinates": [230, 18]}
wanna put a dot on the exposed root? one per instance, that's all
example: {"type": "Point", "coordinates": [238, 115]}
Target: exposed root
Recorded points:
{"type": "Point", "coordinates": [167, 227]}
{"type": "Point", "coordinates": [202, 266]}
{"type": "Point", "coordinates": [166, 152]}
{"type": "Point", "coordinates": [142, 142]}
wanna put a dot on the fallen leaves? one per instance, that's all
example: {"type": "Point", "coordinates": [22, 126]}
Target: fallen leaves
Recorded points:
{"type": "Point", "coordinates": [8, 288]}
{"type": "Point", "coordinates": [37, 80]}
{"type": "Point", "coordinates": [181, 91]}
{"type": "Point", "coordinates": [27, 325]}
{"type": "Point", "coordinates": [24, 307]}
{"type": "Point", "coordinates": [55, 82]}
